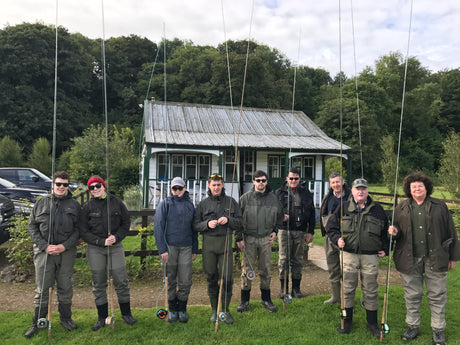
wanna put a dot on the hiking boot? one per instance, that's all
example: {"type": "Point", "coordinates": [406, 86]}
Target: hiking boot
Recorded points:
{"type": "Point", "coordinates": [269, 306]}
{"type": "Point", "coordinates": [411, 333]}
{"type": "Point", "coordinates": [438, 337]}
{"type": "Point", "coordinates": [99, 324]}
{"type": "Point", "coordinates": [173, 316]}
{"type": "Point", "coordinates": [129, 319]}
{"type": "Point", "coordinates": [374, 328]}
{"type": "Point", "coordinates": [242, 307]}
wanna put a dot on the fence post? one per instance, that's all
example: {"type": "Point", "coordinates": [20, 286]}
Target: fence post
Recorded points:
{"type": "Point", "coordinates": [143, 241]}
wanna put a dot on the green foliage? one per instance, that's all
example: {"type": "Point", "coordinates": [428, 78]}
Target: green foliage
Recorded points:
{"type": "Point", "coordinates": [449, 171]}
{"type": "Point", "coordinates": [334, 164]}
{"type": "Point", "coordinates": [132, 197]}
{"type": "Point", "coordinates": [388, 162]}
{"type": "Point", "coordinates": [40, 158]}
{"type": "Point", "coordinates": [88, 157]}
{"type": "Point", "coordinates": [20, 244]}
{"type": "Point", "coordinates": [10, 153]}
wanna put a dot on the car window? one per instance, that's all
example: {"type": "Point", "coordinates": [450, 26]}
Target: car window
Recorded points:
{"type": "Point", "coordinates": [9, 174]}
{"type": "Point", "coordinates": [26, 175]}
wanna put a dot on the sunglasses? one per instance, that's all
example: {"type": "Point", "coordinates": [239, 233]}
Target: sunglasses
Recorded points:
{"type": "Point", "coordinates": [176, 188]}
{"type": "Point", "coordinates": [216, 175]}
{"type": "Point", "coordinates": [97, 185]}
{"type": "Point", "coordinates": [293, 178]}
{"type": "Point", "coordinates": [59, 184]}
{"type": "Point", "coordinates": [259, 180]}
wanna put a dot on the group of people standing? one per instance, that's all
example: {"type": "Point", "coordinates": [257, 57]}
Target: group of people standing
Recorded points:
{"type": "Point", "coordinates": [56, 223]}
{"type": "Point", "coordinates": [356, 230]}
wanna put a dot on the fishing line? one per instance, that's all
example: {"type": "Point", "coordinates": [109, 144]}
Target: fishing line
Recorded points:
{"type": "Point", "coordinates": [225, 261]}
{"type": "Point", "coordinates": [109, 320]}
{"type": "Point", "coordinates": [42, 322]}
{"type": "Point", "coordinates": [385, 328]}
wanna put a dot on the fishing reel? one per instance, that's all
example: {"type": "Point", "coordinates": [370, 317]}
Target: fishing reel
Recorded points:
{"type": "Point", "coordinates": [385, 328]}
{"type": "Point", "coordinates": [222, 316]}
{"type": "Point", "coordinates": [109, 320]}
{"type": "Point", "coordinates": [250, 275]}
{"type": "Point", "coordinates": [343, 313]}
{"type": "Point", "coordinates": [42, 323]}
{"type": "Point", "coordinates": [287, 299]}
{"type": "Point", "coordinates": [162, 313]}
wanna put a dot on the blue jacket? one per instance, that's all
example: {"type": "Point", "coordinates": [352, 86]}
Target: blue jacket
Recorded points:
{"type": "Point", "coordinates": [173, 224]}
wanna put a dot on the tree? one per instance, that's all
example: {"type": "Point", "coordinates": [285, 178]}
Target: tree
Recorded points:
{"type": "Point", "coordinates": [10, 153]}
{"type": "Point", "coordinates": [40, 158]}
{"type": "Point", "coordinates": [88, 157]}
{"type": "Point", "coordinates": [334, 164]}
{"type": "Point", "coordinates": [388, 162]}
{"type": "Point", "coordinates": [449, 170]}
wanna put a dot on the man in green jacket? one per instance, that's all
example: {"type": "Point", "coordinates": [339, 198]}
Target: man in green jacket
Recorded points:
{"type": "Point", "coordinates": [216, 217]}
{"type": "Point", "coordinates": [363, 239]}
{"type": "Point", "coordinates": [262, 217]}
{"type": "Point", "coordinates": [426, 248]}
{"type": "Point", "coordinates": [53, 227]}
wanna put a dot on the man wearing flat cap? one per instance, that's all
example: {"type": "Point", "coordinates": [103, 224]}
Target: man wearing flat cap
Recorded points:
{"type": "Point", "coordinates": [363, 239]}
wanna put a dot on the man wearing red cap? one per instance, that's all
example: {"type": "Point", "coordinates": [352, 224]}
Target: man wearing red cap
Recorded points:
{"type": "Point", "coordinates": [105, 248]}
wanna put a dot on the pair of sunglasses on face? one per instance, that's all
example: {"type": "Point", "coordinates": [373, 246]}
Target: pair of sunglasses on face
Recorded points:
{"type": "Point", "coordinates": [93, 186]}
{"type": "Point", "coordinates": [176, 188]}
{"type": "Point", "coordinates": [59, 184]}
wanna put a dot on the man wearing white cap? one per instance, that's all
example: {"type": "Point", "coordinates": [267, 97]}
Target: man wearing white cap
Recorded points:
{"type": "Point", "coordinates": [177, 245]}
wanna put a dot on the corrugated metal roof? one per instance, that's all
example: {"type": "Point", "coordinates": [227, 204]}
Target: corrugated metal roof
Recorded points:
{"type": "Point", "coordinates": [217, 126]}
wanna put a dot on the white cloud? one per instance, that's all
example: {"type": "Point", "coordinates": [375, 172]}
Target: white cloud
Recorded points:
{"type": "Point", "coordinates": [379, 27]}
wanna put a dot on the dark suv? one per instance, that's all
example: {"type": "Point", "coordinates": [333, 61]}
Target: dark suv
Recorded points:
{"type": "Point", "coordinates": [6, 212]}
{"type": "Point", "coordinates": [29, 177]}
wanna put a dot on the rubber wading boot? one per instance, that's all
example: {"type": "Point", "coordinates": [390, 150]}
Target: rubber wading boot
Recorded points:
{"type": "Point", "coordinates": [371, 317]}
{"type": "Point", "coordinates": [65, 314]}
{"type": "Point", "coordinates": [182, 309]}
{"type": "Point", "coordinates": [335, 297]}
{"type": "Point", "coordinates": [347, 322]}
{"type": "Point", "coordinates": [173, 315]}
{"type": "Point", "coordinates": [267, 301]}
{"type": "Point", "coordinates": [213, 317]}
{"type": "Point", "coordinates": [126, 314]}
{"type": "Point", "coordinates": [227, 317]}
{"type": "Point", "coordinates": [282, 287]}
{"type": "Point", "coordinates": [102, 313]}
{"type": "Point", "coordinates": [34, 328]}
{"type": "Point", "coordinates": [296, 289]}
{"type": "Point", "coordinates": [244, 305]}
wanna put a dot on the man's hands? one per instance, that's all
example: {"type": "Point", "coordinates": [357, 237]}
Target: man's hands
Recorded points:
{"type": "Point", "coordinates": [55, 249]}
{"type": "Point", "coordinates": [212, 224]}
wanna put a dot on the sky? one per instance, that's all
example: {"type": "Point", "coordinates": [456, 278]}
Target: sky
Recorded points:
{"type": "Point", "coordinates": [305, 31]}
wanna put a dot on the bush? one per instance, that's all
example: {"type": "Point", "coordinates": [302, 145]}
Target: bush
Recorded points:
{"type": "Point", "coordinates": [20, 250]}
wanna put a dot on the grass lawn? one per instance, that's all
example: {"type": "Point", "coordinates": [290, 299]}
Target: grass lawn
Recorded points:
{"type": "Point", "coordinates": [305, 321]}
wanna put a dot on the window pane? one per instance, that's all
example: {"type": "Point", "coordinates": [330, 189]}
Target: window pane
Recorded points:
{"type": "Point", "coordinates": [205, 165]}
{"type": "Point", "coordinates": [190, 168]}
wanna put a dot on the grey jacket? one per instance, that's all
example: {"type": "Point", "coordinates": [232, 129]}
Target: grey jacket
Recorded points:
{"type": "Point", "coordinates": [262, 213]}
{"type": "Point", "coordinates": [65, 211]}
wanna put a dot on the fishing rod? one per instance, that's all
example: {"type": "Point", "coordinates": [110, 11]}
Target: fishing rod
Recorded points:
{"type": "Point", "coordinates": [50, 294]}
{"type": "Point", "coordinates": [163, 313]}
